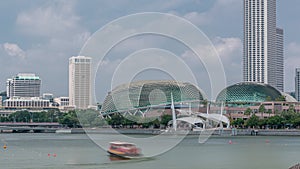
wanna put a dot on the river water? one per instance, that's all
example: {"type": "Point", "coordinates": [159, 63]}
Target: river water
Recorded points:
{"type": "Point", "coordinates": [64, 151]}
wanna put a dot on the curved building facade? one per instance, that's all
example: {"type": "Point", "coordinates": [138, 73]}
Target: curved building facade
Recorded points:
{"type": "Point", "coordinates": [143, 94]}
{"type": "Point", "coordinates": [248, 92]}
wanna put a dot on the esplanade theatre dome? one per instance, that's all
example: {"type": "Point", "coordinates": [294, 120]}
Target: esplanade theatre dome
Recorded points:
{"type": "Point", "coordinates": [248, 92]}
{"type": "Point", "coordinates": [143, 94]}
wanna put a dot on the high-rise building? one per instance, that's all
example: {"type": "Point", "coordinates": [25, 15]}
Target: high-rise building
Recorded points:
{"type": "Point", "coordinates": [297, 84]}
{"type": "Point", "coordinates": [279, 61]}
{"type": "Point", "coordinates": [23, 85]}
{"type": "Point", "coordinates": [260, 43]}
{"type": "Point", "coordinates": [80, 82]}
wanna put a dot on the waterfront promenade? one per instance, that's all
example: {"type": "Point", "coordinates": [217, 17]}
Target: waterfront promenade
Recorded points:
{"type": "Point", "coordinates": [222, 132]}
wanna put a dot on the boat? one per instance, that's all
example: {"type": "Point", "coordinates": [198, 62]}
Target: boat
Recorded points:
{"type": "Point", "coordinates": [124, 150]}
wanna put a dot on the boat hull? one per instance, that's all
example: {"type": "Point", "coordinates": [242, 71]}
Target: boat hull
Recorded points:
{"type": "Point", "coordinates": [124, 156]}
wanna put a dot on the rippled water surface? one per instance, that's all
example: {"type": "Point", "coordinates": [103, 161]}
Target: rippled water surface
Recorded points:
{"type": "Point", "coordinates": [62, 151]}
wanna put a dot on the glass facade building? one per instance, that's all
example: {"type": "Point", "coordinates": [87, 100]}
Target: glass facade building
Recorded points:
{"type": "Point", "coordinates": [143, 94]}
{"type": "Point", "coordinates": [248, 92]}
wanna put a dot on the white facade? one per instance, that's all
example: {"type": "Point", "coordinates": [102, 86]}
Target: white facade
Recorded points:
{"type": "Point", "coordinates": [26, 103]}
{"type": "Point", "coordinates": [23, 85]}
{"type": "Point", "coordinates": [260, 40]}
{"type": "Point", "coordinates": [80, 82]}
{"type": "Point", "coordinates": [62, 101]}
{"type": "Point", "coordinates": [279, 61]}
{"type": "Point", "coordinates": [297, 84]}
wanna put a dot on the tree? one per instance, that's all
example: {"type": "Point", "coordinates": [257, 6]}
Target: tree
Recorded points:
{"type": "Point", "coordinates": [296, 121]}
{"type": "Point", "coordinates": [165, 119]}
{"type": "Point", "coordinates": [280, 98]}
{"type": "Point", "coordinates": [116, 120]}
{"type": "Point", "coordinates": [262, 110]}
{"type": "Point", "coordinates": [20, 116]}
{"type": "Point", "coordinates": [262, 122]}
{"type": "Point", "coordinates": [248, 111]}
{"type": "Point", "coordinates": [275, 121]}
{"type": "Point", "coordinates": [69, 119]}
{"type": "Point", "coordinates": [289, 115]}
{"type": "Point", "coordinates": [269, 112]}
{"type": "Point", "coordinates": [252, 121]}
{"type": "Point", "coordinates": [268, 98]}
{"type": "Point", "coordinates": [238, 122]}
{"type": "Point", "coordinates": [291, 109]}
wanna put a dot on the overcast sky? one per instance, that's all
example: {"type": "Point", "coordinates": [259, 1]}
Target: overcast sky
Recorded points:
{"type": "Point", "coordinates": [40, 36]}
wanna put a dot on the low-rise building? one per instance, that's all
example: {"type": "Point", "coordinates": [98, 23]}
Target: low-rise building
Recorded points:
{"type": "Point", "coordinates": [61, 102]}
{"type": "Point", "coordinates": [26, 103]}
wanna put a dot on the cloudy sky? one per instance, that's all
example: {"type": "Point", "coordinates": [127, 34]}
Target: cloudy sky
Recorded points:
{"type": "Point", "coordinates": [40, 36]}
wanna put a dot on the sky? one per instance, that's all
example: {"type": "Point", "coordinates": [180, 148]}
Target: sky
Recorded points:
{"type": "Point", "coordinates": [39, 37]}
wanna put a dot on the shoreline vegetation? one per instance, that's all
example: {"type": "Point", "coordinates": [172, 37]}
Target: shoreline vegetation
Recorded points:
{"type": "Point", "coordinates": [285, 123]}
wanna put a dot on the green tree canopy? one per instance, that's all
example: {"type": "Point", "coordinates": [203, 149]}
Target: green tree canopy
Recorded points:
{"type": "Point", "coordinates": [248, 111]}
{"type": "Point", "coordinates": [252, 121]}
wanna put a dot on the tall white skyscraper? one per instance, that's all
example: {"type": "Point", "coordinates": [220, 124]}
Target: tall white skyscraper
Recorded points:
{"type": "Point", "coordinates": [260, 58]}
{"type": "Point", "coordinates": [297, 84]}
{"type": "Point", "coordinates": [279, 61]}
{"type": "Point", "coordinates": [80, 82]}
{"type": "Point", "coordinates": [23, 85]}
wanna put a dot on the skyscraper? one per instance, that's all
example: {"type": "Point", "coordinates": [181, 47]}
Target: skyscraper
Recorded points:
{"type": "Point", "coordinates": [279, 61]}
{"type": "Point", "coordinates": [260, 58]}
{"type": "Point", "coordinates": [80, 82]}
{"type": "Point", "coordinates": [297, 84]}
{"type": "Point", "coordinates": [23, 85]}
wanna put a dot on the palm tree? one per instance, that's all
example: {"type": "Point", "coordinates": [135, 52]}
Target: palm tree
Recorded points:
{"type": "Point", "coordinates": [262, 109]}
{"type": "Point", "coordinates": [248, 111]}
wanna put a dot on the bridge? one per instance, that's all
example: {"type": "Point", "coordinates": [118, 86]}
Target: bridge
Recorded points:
{"type": "Point", "coordinates": [29, 127]}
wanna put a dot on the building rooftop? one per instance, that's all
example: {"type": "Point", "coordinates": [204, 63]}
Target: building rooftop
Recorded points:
{"type": "Point", "coordinates": [248, 92]}
{"type": "Point", "coordinates": [143, 94]}
{"type": "Point", "coordinates": [27, 76]}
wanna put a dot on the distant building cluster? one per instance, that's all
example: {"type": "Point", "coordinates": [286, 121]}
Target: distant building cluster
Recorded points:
{"type": "Point", "coordinates": [23, 91]}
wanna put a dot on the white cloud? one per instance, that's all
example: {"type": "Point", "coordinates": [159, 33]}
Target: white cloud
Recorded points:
{"type": "Point", "coordinates": [230, 53]}
{"type": "Point", "coordinates": [226, 47]}
{"type": "Point", "coordinates": [55, 19]}
{"type": "Point", "coordinates": [13, 50]}
{"type": "Point", "coordinates": [229, 49]}
{"type": "Point", "coordinates": [198, 18]}
{"type": "Point", "coordinates": [220, 11]}
{"type": "Point", "coordinates": [56, 34]}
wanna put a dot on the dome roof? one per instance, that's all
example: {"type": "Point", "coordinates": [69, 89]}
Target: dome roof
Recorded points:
{"type": "Point", "coordinates": [248, 92]}
{"type": "Point", "coordinates": [149, 93]}
{"type": "Point", "coordinates": [288, 97]}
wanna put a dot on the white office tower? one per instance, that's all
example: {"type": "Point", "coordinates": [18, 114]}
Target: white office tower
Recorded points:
{"type": "Point", "coordinates": [297, 84]}
{"type": "Point", "coordinates": [23, 85]}
{"type": "Point", "coordinates": [260, 40]}
{"type": "Point", "coordinates": [279, 61]}
{"type": "Point", "coordinates": [80, 82]}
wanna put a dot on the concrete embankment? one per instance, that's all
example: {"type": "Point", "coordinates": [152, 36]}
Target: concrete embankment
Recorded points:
{"type": "Point", "coordinates": [290, 132]}
{"type": "Point", "coordinates": [222, 132]}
